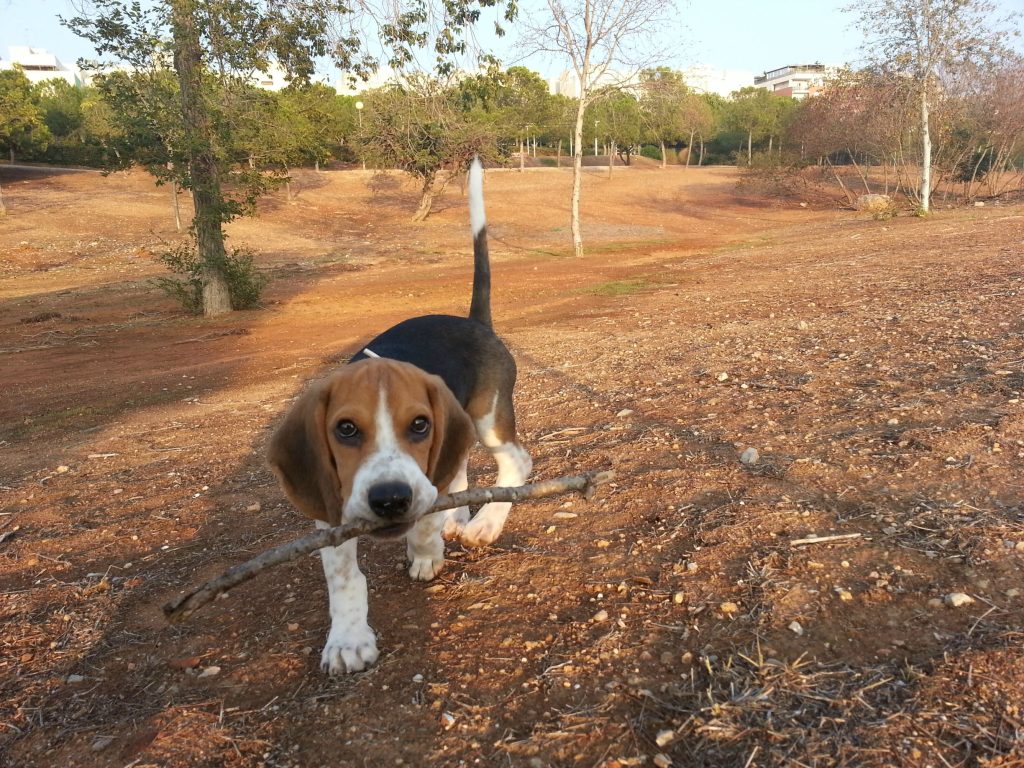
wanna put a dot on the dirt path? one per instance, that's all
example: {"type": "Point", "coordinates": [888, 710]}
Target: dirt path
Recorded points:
{"type": "Point", "coordinates": [876, 367]}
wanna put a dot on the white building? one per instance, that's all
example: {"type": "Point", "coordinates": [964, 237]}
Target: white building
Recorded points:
{"type": "Point", "coordinates": [796, 80]}
{"type": "Point", "coordinates": [705, 79]}
{"type": "Point", "coordinates": [40, 65]}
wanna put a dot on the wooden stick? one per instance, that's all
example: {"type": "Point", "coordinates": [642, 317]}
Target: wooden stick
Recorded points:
{"type": "Point", "coordinates": [184, 606]}
{"type": "Point", "coordinates": [824, 539]}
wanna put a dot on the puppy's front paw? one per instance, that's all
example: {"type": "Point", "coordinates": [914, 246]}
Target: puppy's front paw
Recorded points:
{"type": "Point", "coordinates": [350, 650]}
{"type": "Point", "coordinates": [454, 521]}
{"type": "Point", "coordinates": [483, 529]}
{"type": "Point", "coordinates": [426, 568]}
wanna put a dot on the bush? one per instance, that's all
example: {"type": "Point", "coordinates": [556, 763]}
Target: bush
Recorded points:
{"type": "Point", "coordinates": [651, 151]}
{"type": "Point", "coordinates": [245, 281]}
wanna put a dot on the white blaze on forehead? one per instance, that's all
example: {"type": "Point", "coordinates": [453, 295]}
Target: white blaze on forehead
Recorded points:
{"type": "Point", "coordinates": [388, 461]}
{"type": "Point", "coordinates": [385, 425]}
{"type": "Point", "coordinates": [477, 216]}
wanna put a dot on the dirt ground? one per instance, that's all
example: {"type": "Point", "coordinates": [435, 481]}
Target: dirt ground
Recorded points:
{"type": "Point", "coordinates": [876, 367]}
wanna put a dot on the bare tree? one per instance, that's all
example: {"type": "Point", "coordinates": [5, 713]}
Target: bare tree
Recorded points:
{"type": "Point", "coordinates": [607, 42]}
{"type": "Point", "coordinates": [926, 40]}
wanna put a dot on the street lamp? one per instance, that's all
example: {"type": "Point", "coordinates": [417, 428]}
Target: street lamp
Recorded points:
{"type": "Point", "coordinates": [596, 123]}
{"type": "Point", "coordinates": [359, 114]}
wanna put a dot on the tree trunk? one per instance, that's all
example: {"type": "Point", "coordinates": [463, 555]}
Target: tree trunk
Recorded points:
{"type": "Point", "coordinates": [771, 143]}
{"type": "Point", "coordinates": [700, 160]}
{"type": "Point", "coordinates": [522, 156]}
{"type": "Point", "coordinates": [663, 161]}
{"type": "Point", "coordinates": [3, 208]}
{"type": "Point", "coordinates": [577, 174]}
{"type": "Point", "coordinates": [177, 208]}
{"type": "Point", "coordinates": [689, 149]}
{"type": "Point", "coordinates": [558, 157]}
{"type": "Point", "coordinates": [206, 190]}
{"type": "Point", "coordinates": [316, 165]}
{"type": "Point", "coordinates": [12, 154]}
{"type": "Point", "coordinates": [426, 198]}
{"type": "Point", "coordinates": [611, 158]}
{"type": "Point", "coordinates": [750, 154]}
{"type": "Point", "coordinates": [926, 150]}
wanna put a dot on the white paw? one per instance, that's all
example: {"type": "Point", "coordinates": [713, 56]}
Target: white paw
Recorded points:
{"type": "Point", "coordinates": [426, 568]}
{"type": "Point", "coordinates": [454, 521]}
{"type": "Point", "coordinates": [351, 650]}
{"type": "Point", "coordinates": [482, 529]}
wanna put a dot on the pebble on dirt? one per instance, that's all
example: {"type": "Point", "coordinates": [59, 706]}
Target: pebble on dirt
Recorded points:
{"type": "Point", "coordinates": [958, 599]}
{"type": "Point", "coordinates": [796, 627]}
{"type": "Point", "coordinates": [750, 456]}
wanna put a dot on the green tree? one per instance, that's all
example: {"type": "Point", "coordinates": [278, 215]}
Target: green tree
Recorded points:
{"type": "Point", "coordinates": [211, 44]}
{"type": "Point", "coordinates": [620, 124]}
{"type": "Point", "coordinates": [515, 102]}
{"type": "Point", "coordinates": [420, 127]}
{"type": "Point", "coordinates": [752, 111]}
{"type": "Point", "coordinates": [663, 96]}
{"type": "Point", "coordinates": [22, 124]}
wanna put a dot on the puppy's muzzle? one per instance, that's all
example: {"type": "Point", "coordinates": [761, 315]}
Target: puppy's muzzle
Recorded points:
{"type": "Point", "coordinates": [389, 500]}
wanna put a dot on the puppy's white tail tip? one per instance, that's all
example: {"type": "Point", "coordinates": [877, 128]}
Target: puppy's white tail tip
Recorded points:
{"type": "Point", "coordinates": [477, 216]}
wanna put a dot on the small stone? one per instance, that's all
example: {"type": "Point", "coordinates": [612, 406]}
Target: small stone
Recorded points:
{"type": "Point", "coordinates": [935, 603]}
{"type": "Point", "coordinates": [664, 737]}
{"type": "Point", "coordinates": [102, 743]}
{"type": "Point", "coordinates": [550, 529]}
{"type": "Point", "coordinates": [802, 325]}
{"type": "Point", "coordinates": [844, 594]}
{"type": "Point", "coordinates": [1012, 592]}
{"type": "Point", "coordinates": [417, 678]}
{"type": "Point", "coordinates": [750, 456]}
{"type": "Point", "coordinates": [723, 376]}
{"type": "Point", "coordinates": [678, 598]}
{"type": "Point", "coordinates": [73, 679]}
{"type": "Point", "coordinates": [796, 628]}
{"type": "Point", "coordinates": [1019, 546]}
{"type": "Point", "coordinates": [433, 589]}
{"type": "Point", "coordinates": [691, 567]}
{"type": "Point", "coordinates": [293, 627]}
{"type": "Point", "coordinates": [624, 412]}
{"type": "Point", "coordinates": [62, 469]}
{"type": "Point", "coordinates": [565, 515]}
{"type": "Point", "coordinates": [979, 203]}
{"type": "Point", "coordinates": [728, 608]}
{"type": "Point", "coordinates": [210, 671]}
{"type": "Point", "coordinates": [661, 760]}
{"type": "Point", "coordinates": [447, 720]}
{"type": "Point", "coordinates": [600, 616]}
{"type": "Point", "coordinates": [603, 543]}
{"type": "Point", "coordinates": [893, 422]}
{"type": "Point", "coordinates": [253, 507]}
{"type": "Point", "coordinates": [957, 599]}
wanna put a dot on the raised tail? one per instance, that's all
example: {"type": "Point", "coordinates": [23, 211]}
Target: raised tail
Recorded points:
{"type": "Point", "coordinates": [480, 306]}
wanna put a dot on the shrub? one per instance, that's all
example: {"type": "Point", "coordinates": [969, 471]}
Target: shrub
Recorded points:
{"type": "Point", "coordinates": [245, 281]}
{"type": "Point", "coordinates": [650, 151]}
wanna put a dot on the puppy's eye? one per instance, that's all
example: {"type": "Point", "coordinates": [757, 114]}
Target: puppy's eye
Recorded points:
{"type": "Point", "coordinates": [346, 430]}
{"type": "Point", "coordinates": [420, 426]}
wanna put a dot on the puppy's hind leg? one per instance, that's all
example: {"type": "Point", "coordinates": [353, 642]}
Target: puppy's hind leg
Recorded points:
{"type": "Point", "coordinates": [497, 432]}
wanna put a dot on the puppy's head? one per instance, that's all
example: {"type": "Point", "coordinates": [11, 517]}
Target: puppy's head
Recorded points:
{"type": "Point", "coordinates": [373, 443]}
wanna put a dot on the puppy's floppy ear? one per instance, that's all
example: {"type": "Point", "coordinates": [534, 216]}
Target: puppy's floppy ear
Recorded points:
{"type": "Point", "coordinates": [302, 460]}
{"type": "Point", "coordinates": [453, 434]}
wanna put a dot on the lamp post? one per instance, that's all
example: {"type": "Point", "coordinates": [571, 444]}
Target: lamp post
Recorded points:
{"type": "Point", "coordinates": [596, 123]}
{"type": "Point", "coordinates": [359, 115]}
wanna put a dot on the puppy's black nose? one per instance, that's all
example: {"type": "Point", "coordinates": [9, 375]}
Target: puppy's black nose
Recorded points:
{"type": "Point", "coordinates": [391, 499]}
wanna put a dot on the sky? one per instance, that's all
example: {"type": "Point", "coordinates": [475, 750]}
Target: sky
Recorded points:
{"type": "Point", "coordinates": [753, 35]}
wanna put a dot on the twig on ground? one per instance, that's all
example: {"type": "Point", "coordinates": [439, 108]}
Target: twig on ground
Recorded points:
{"type": "Point", "coordinates": [825, 539]}
{"type": "Point", "coordinates": [184, 606]}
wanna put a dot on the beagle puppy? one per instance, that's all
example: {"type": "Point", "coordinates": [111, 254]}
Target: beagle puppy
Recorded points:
{"type": "Point", "coordinates": [379, 439]}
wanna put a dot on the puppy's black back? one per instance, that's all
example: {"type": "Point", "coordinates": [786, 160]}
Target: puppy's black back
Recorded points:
{"type": "Point", "coordinates": [458, 349]}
